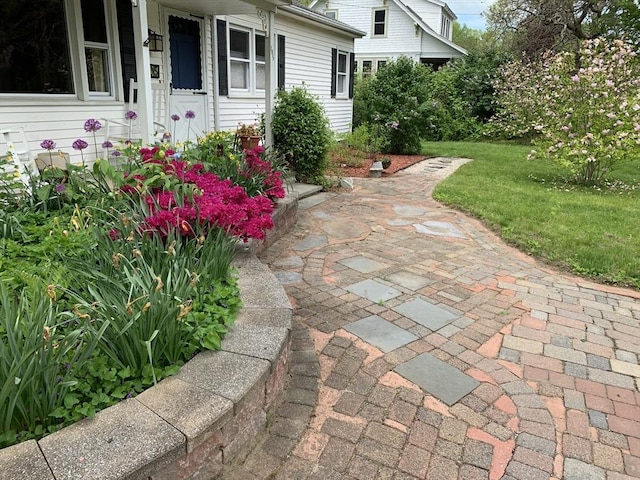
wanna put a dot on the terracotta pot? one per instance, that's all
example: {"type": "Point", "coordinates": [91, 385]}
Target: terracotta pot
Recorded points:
{"type": "Point", "coordinates": [249, 142]}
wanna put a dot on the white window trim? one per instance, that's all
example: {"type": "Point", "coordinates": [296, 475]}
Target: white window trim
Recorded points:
{"type": "Point", "coordinates": [345, 74]}
{"type": "Point", "coordinates": [373, 22]}
{"type": "Point", "coordinates": [79, 76]}
{"type": "Point", "coordinates": [253, 62]}
{"type": "Point", "coordinates": [77, 45]}
{"type": "Point", "coordinates": [445, 26]}
{"type": "Point", "coordinates": [331, 10]}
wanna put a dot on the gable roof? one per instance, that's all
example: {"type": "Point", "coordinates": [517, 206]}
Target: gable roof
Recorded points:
{"type": "Point", "coordinates": [402, 4]}
{"type": "Point", "coordinates": [426, 28]}
{"type": "Point", "coordinates": [316, 17]}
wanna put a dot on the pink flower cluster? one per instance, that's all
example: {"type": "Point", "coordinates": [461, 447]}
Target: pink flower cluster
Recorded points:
{"type": "Point", "coordinates": [216, 202]}
{"type": "Point", "coordinates": [255, 166]}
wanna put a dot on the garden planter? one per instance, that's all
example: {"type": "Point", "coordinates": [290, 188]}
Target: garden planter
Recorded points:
{"type": "Point", "coordinates": [376, 170]}
{"type": "Point", "coordinates": [57, 160]}
{"type": "Point", "coordinates": [249, 142]}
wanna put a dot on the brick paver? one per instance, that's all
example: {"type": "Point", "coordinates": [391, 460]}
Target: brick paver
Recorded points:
{"type": "Point", "coordinates": [556, 357]}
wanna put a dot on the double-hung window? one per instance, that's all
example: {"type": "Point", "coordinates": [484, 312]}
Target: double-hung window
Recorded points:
{"type": "Point", "coordinates": [246, 60]}
{"type": "Point", "coordinates": [445, 27]}
{"type": "Point", "coordinates": [56, 47]}
{"type": "Point", "coordinates": [379, 22]}
{"type": "Point", "coordinates": [342, 74]}
{"type": "Point", "coordinates": [96, 47]}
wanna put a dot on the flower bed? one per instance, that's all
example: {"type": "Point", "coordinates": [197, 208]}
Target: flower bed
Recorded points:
{"type": "Point", "coordinates": [114, 278]}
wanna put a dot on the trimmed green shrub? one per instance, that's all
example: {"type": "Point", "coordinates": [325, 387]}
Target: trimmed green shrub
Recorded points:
{"type": "Point", "coordinates": [301, 132]}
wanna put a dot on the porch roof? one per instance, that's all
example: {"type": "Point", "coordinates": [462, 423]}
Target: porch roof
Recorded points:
{"type": "Point", "coordinates": [225, 7]}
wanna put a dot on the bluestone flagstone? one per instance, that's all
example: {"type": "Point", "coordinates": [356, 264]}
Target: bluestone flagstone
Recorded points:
{"type": "Point", "coordinates": [363, 264]}
{"type": "Point", "coordinates": [380, 333]}
{"type": "Point", "coordinates": [374, 291]}
{"type": "Point", "coordinates": [426, 314]}
{"type": "Point", "coordinates": [437, 378]}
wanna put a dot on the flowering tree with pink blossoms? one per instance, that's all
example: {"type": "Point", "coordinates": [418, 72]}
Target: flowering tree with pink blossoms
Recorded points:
{"type": "Point", "coordinates": [584, 109]}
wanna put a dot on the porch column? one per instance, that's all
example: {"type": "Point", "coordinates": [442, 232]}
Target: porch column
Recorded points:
{"type": "Point", "coordinates": [271, 77]}
{"type": "Point", "coordinates": [143, 69]}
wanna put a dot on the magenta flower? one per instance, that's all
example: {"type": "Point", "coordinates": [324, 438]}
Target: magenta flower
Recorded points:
{"type": "Point", "coordinates": [79, 144]}
{"type": "Point", "coordinates": [92, 125]}
{"type": "Point", "coordinates": [48, 144]}
{"type": "Point", "coordinates": [131, 115]}
{"type": "Point", "coordinates": [175, 117]}
{"type": "Point", "coordinates": [107, 144]}
{"type": "Point", "coordinates": [60, 188]}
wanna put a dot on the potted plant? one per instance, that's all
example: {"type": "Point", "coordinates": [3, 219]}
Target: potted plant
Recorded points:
{"type": "Point", "coordinates": [249, 135]}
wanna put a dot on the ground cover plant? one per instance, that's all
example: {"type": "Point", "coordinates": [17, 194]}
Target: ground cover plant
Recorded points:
{"type": "Point", "coordinates": [106, 291]}
{"type": "Point", "coordinates": [592, 231]}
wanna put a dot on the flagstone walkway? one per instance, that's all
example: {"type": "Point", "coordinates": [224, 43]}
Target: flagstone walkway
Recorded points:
{"type": "Point", "coordinates": [426, 348]}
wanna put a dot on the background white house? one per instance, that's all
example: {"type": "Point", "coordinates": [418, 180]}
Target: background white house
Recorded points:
{"type": "Point", "coordinates": [64, 61]}
{"type": "Point", "coordinates": [419, 29]}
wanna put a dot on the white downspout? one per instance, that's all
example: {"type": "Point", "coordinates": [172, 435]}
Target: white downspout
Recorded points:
{"type": "Point", "coordinates": [143, 69]}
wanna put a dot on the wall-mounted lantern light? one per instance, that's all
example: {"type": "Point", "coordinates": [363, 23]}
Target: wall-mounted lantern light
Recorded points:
{"type": "Point", "coordinates": [154, 42]}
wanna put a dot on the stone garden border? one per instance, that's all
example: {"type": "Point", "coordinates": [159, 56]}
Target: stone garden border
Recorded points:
{"type": "Point", "coordinates": [188, 426]}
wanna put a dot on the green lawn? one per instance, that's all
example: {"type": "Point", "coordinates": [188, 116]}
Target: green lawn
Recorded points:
{"type": "Point", "coordinates": [592, 232]}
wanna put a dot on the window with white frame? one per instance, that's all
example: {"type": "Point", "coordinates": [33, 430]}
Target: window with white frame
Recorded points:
{"type": "Point", "coordinates": [246, 60]}
{"type": "Point", "coordinates": [37, 48]}
{"type": "Point", "coordinates": [379, 22]}
{"type": "Point", "coordinates": [445, 27]}
{"type": "Point", "coordinates": [342, 74]}
{"type": "Point", "coordinates": [333, 14]}
{"type": "Point", "coordinates": [96, 47]}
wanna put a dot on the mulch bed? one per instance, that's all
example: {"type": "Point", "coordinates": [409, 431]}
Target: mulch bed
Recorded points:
{"type": "Point", "coordinates": [398, 162]}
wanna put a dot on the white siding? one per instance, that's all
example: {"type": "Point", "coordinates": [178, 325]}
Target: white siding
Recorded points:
{"type": "Point", "coordinates": [430, 13]}
{"type": "Point", "coordinates": [433, 48]}
{"type": "Point", "coordinates": [401, 38]}
{"type": "Point", "coordinates": [60, 121]}
{"type": "Point", "coordinates": [307, 60]}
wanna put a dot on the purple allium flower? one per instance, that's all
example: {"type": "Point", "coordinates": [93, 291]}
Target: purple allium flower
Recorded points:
{"type": "Point", "coordinates": [116, 153]}
{"type": "Point", "coordinates": [79, 144]}
{"type": "Point", "coordinates": [48, 144]}
{"type": "Point", "coordinates": [60, 188]}
{"type": "Point", "coordinates": [92, 125]}
{"type": "Point", "coordinates": [166, 136]}
{"type": "Point", "coordinates": [175, 117]}
{"type": "Point", "coordinates": [107, 144]}
{"type": "Point", "coordinates": [131, 115]}
{"type": "Point", "coordinates": [189, 114]}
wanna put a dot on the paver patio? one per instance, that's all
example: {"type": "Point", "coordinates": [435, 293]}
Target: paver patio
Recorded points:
{"type": "Point", "coordinates": [484, 365]}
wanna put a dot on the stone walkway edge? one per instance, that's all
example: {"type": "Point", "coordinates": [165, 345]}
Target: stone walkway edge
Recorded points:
{"type": "Point", "coordinates": [191, 425]}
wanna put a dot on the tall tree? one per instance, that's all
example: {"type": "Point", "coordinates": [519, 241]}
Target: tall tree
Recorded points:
{"type": "Point", "coordinates": [533, 26]}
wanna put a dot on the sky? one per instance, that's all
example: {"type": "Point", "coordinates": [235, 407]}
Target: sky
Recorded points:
{"type": "Point", "coordinates": [469, 12]}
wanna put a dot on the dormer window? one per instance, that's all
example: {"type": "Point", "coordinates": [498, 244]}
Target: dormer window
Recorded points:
{"type": "Point", "coordinates": [379, 22]}
{"type": "Point", "coordinates": [332, 14]}
{"type": "Point", "coordinates": [445, 28]}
